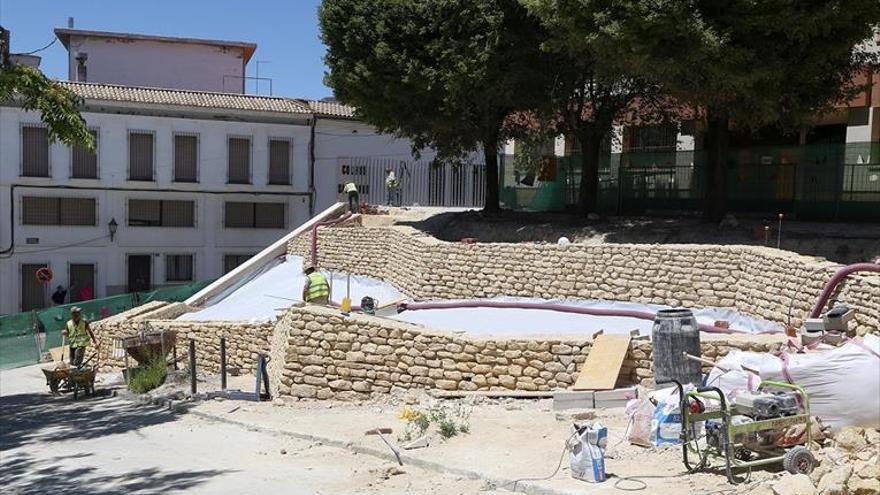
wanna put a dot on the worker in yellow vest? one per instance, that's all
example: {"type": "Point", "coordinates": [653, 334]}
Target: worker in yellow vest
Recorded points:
{"type": "Point", "coordinates": [79, 335]}
{"type": "Point", "coordinates": [316, 289]}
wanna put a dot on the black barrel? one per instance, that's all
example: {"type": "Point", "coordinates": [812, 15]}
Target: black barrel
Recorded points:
{"type": "Point", "coordinates": [676, 332]}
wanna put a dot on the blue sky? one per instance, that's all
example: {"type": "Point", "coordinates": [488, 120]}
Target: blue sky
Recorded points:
{"type": "Point", "coordinates": [286, 32]}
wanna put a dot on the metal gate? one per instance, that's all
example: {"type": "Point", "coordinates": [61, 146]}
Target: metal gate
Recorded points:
{"type": "Point", "coordinates": [421, 183]}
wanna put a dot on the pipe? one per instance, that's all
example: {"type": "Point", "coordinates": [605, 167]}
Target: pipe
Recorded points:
{"type": "Point", "coordinates": [325, 223]}
{"type": "Point", "coordinates": [562, 308]}
{"type": "Point", "coordinates": [312, 145]}
{"type": "Point", "coordinates": [7, 253]}
{"type": "Point", "coordinates": [836, 279]}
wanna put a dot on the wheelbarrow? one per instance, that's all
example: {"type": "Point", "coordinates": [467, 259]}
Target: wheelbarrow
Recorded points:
{"type": "Point", "coordinates": [82, 378]}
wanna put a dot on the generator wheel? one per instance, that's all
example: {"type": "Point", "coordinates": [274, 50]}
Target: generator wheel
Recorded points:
{"type": "Point", "coordinates": [799, 460]}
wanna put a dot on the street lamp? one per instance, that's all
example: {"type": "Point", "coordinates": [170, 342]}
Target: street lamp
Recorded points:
{"type": "Point", "coordinates": [112, 226]}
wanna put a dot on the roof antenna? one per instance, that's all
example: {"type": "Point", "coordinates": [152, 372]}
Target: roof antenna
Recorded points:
{"type": "Point", "coordinates": [70, 23]}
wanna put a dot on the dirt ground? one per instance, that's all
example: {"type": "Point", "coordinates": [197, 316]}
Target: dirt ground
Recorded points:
{"type": "Point", "coordinates": [508, 440]}
{"type": "Point", "coordinates": [840, 242]}
{"type": "Point", "coordinates": [108, 445]}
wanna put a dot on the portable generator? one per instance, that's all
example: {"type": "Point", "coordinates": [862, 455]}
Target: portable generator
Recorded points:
{"type": "Point", "coordinates": [756, 431]}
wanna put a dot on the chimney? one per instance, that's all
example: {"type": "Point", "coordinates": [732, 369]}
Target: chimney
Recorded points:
{"type": "Point", "coordinates": [70, 23]}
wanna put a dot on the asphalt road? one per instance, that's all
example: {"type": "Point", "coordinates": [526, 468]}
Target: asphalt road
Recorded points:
{"type": "Point", "coordinates": [107, 445]}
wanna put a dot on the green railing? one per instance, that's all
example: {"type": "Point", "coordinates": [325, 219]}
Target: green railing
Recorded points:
{"type": "Point", "coordinates": [812, 182]}
{"type": "Point", "coordinates": [23, 342]}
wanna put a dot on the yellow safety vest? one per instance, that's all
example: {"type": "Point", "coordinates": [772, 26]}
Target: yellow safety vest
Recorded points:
{"type": "Point", "coordinates": [77, 334]}
{"type": "Point", "coordinates": [318, 287]}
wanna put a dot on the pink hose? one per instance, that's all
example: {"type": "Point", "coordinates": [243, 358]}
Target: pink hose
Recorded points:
{"type": "Point", "coordinates": [628, 313]}
{"type": "Point", "coordinates": [837, 279]}
{"type": "Point", "coordinates": [325, 223]}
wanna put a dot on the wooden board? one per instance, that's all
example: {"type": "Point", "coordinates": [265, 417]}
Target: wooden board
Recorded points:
{"type": "Point", "coordinates": [603, 363]}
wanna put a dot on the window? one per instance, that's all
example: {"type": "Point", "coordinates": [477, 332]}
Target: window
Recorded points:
{"type": "Point", "coordinates": [161, 213]}
{"type": "Point", "coordinates": [239, 160]}
{"type": "Point", "coordinates": [279, 161]}
{"type": "Point", "coordinates": [186, 158]}
{"type": "Point", "coordinates": [84, 163]}
{"type": "Point", "coordinates": [40, 210]}
{"type": "Point", "coordinates": [140, 156]}
{"type": "Point", "coordinates": [662, 137]}
{"type": "Point", "coordinates": [254, 215]}
{"type": "Point", "coordinates": [82, 282]}
{"type": "Point", "coordinates": [232, 261]}
{"type": "Point", "coordinates": [34, 151]}
{"type": "Point", "coordinates": [178, 268]}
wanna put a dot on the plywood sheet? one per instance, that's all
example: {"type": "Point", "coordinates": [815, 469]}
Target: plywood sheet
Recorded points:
{"type": "Point", "coordinates": [603, 364]}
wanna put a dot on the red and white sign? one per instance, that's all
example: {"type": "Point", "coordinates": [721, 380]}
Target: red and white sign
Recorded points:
{"type": "Point", "coordinates": [44, 275]}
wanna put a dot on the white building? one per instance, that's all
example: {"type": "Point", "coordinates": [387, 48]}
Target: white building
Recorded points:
{"type": "Point", "coordinates": [196, 182]}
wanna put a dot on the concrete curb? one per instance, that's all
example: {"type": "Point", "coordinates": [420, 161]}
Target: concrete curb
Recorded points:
{"type": "Point", "coordinates": [179, 406]}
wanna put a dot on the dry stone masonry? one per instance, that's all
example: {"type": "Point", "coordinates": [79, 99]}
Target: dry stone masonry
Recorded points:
{"type": "Point", "coordinates": [763, 282]}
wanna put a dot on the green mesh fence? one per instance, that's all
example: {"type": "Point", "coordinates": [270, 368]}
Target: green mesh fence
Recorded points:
{"type": "Point", "coordinates": [23, 340]}
{"type": "Point", "coordinates": [812, 182]}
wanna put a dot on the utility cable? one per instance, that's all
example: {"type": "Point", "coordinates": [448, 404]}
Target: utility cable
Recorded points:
{"type": "Point", "coordinates": [38, 50]}
{"type": "Point", "coordinates": [55, 248]}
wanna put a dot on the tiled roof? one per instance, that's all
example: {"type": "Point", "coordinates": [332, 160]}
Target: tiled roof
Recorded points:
{"type": "Point", "coordinates": [331, 109]}
{"type": "Point", "coordinates": [199, 99]}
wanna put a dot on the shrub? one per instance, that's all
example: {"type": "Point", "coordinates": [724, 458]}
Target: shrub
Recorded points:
{"type": "Point", "coordinates": [148, 376]}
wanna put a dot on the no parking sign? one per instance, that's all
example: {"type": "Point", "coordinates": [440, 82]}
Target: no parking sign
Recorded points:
{"type": "Point", "coordinates": [44, 275]}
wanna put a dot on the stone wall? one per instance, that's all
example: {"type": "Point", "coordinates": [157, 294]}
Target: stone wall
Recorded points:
{"type": "Point", "coordinates": [754, 280]}
{"type": "Point", "coordinates": [244, 340]}
{"type": "Point", "coordinates": [318, 353]}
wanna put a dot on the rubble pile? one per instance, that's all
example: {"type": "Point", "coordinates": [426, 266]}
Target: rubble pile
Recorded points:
{"type": "Point", "coordinates": [849, 464]}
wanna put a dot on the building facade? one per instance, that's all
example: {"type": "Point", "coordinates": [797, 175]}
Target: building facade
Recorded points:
{"type": "Point", "coordinates": [190, 177]}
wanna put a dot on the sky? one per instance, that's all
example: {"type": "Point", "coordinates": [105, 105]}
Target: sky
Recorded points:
{"type": "Point", "coordinates": [286, 32]}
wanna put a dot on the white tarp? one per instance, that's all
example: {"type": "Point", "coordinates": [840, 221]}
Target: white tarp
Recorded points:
{"type": "Point", "coordinates": [515, 321]}
{"type": "Point", "coordinates": [843, 383]}
{"type": "Point", "coordinates": [272, 290]}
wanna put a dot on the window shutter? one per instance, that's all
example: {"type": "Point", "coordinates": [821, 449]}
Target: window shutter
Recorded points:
{"type": "Point", "coordinates": [140, 156]}
{"type": "Point", "coordinates": [186, 149]}
{"type": "Point", "coordinates": [279, 161]}
{"type": "Point", "coordinates": [239, 157]}
{"type": "Point", "coordinates": [34, 151]}
{"type": "Point", "coordinates": [84, 163]}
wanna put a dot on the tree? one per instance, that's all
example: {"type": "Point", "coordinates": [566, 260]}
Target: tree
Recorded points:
{"type": "Point", "coordinates": [443, 73]}
{"type": "Point", "coordinates": [58, 106]}
{"type": "Point", "coordinates": [752, 63]}
{"type": "Point", "coordinates": [588, 94]}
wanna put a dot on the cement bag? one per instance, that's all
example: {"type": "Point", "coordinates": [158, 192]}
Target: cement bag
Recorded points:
{"type": "Point", "coordinates": [641, 411]}
{"type": "Point", "coordinates": [666, 422]}
{"type": "Point", "coordinates": [588, 453]}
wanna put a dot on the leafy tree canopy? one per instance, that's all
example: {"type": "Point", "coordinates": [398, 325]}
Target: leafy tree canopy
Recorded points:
{"type": "Point", "coordinates": [58, 106]}
{"type": "Point", "coordinates": [444, 73]}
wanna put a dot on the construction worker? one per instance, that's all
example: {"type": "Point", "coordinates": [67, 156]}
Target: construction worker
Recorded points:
{"type": "Point", "coordinates": [351, 189]}
{"type": "Point", "coordinates": [317, 289]}
{"type": "Point", "coordinates": [392, 185]}
{"type": "Point", "coordinates": [79, 335]}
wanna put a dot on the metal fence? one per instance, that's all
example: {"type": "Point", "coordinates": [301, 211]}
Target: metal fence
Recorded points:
{"type": "Point", "coordinates": [25, 337]}
{"type": "Point", "coordinates": [812, 182]}
{"type": "Point", "coordinates": [421, 183]}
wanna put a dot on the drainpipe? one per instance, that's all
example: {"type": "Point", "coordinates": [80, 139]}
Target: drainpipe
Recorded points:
{"type": "Point", "coordinates": [325, 223]}
{"type": "Point", "coordinates": [312, 165]}
{"type": "Point", "coordinates": [8, 251]}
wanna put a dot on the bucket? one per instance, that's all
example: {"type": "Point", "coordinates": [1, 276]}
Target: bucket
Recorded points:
{"type": "Point", "coordinates": [676, 332]}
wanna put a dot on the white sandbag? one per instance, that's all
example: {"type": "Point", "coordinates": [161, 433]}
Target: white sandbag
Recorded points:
{"type": "Point", "coordinates": [843, 383]}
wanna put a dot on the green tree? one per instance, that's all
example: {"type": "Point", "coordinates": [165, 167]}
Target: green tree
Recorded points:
{"type": "Point", "coordinates": [58, 106]}
{"type": "Point", "coordinates": [588, 94]}
{"type": "Point", "coordinates": [443, 73]}
{"type": "Point", "coordinates": [747, 62]}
